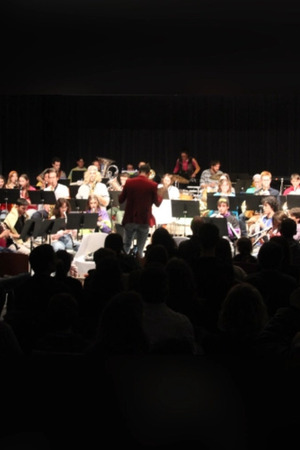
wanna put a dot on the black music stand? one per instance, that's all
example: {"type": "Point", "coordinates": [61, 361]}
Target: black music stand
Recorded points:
{"type": "Point", "coordinates": [220, 222]}
{"type": "Point", "coordinates": [73, 188]}
{"type": "Point", "coordinates": [253, 202]}
{"type": "Point", "coordinates": [212, 202]}
{"type": "Point", "coordinates": [47, 227]}
{"type": "Point", "coordinates": [77, 175]}
{"type": "Point", "coordinates": [293, 201]}
{"type": "Point", "coordinates": [184, 209]}
{"type": "Point", "coordinates": [78, 204]}
{"type": "Point", "coordinates": [64, 181]}
{"type": "Point", "coordinates": [27, 232]}
{"type": "Point", "coordinates": [282, 199]}
{"type": "Point", "coordinates": [42, 197]}
{"type": "Point", "coordinates": [78, 221]}
{"type": "Point", "coordinates": [9, 196]}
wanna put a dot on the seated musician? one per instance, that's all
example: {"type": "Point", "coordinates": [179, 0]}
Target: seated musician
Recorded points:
{"type": "Point", "coordinates": [295, 188]}
{"type": "Point", "coordinates": [187, 167]}
{"type": "Point", "coordinates": [234, 230]}
{"type": "Point", "coordinates": [13, 225]}
{"type": "Point", "coordinates": [210, 177]}
{"type": "Point", "coordinates": [266, 189]}
{"type": "Point", "coordinates": [64, 239]}
{"type": "Point", "coordinates": [225, 187]}
{"type": "Point", "coordinates": [264, 223]}
{"type": "Point", "coordinates": [92, 185]}
{"type": "Point", "coordinates": [294, 213]}
{"type": "Point", "coordinates": [94, 206]}
{"type": "Point", "coordinates": [166, 189]}
{"type": "Point", "coordinates": [25, 187]}
{"type": "Point", "coordinates": [256, 184]}
{"type": "Point", "coordinates": [60, 190]}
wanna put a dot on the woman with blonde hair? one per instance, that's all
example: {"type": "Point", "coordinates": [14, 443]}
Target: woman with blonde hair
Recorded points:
{"type": "Point", "coordinates": [92, 185]}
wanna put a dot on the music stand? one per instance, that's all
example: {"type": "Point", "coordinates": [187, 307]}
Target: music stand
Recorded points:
{"type": "Point", "coordinates": [184, 208]}
{"type": "Point", "coordinates": [42, 228]}
{"type": "Point", "coordinates": [73, 188]}
{"type": "Point", "coordinates": [77, 221]}
{"type": "Point", "coordinates": [77, 175]}
{"type": "Point", "coordinates": [78, 204]}
{"type": "Point", "coordinates": [212, 202]}
{"type": "Point", "coordinates": [42, 197]}
{"type": "Point", "coordinates": [282, 199]}
{"type": "Point", "coordinates": [253, 202]}
{"type": "Point", "coordinates": [293, 201]}
{"type": "Point", "coordinates": [9, 196]}
{"type": "Point", "coordinates": [64, 181]}
{"type": "Point", "coordinates": [220, 222]}
{"type": "Point", "coordinates": [27, 231]}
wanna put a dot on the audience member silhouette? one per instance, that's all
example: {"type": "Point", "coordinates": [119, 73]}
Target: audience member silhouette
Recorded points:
{"type": "Point", "coordinates": [26, 314]}
{"type": "Point", "coordinates": [191, 249]}
{"type": "Point", "coordinates": [182, 296]}
{"type": "Point", "coordinates": [213, 279]}
{"type": "Point", "coordinates": [162, 236]}
{"type": "Point", "coordinates": [274, 285]}
{"type": "Point", "coordinates": [101, 284]}
{"type": "Point", "coordinates": [120, 330]}
{"type": "Point", "coordinates": [61, 317]}
{"type": "Point", "coordinates": [288, 230]}
{"type": "Point", "coordinates": [162, 325]}
{"type": "Point", "coordinates": [63, 266]}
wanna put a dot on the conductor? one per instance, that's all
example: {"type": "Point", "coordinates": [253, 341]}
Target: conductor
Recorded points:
{"type": "Point", "coordinates": [140, 194]}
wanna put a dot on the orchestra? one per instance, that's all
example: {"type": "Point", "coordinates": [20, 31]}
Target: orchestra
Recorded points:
{"type": "Point", "coordinates": [105, 182]}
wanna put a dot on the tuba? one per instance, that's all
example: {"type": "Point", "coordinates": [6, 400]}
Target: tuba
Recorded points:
{"type": "Point", "coordinates": [152, 174]}
{"type": "Point", "coordinates": [104, 164]}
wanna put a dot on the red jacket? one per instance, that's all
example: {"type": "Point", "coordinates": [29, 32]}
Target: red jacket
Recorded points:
{"type": "Point", "coordinates": [140, 194]}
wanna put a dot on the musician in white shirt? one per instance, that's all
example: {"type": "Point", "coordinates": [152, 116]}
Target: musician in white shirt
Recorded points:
{"type": "Point", "coordinates": [60, 190]}
{"type": "Point", "coordinates": [92, 185]}
{"type": "Point", "coordinates": [166, 188]}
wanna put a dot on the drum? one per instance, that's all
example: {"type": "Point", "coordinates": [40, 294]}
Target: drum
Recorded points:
{"type": "Point", "coordinates": [184, 194]}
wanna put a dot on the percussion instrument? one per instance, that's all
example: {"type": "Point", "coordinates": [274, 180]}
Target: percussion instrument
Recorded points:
{"type": "Point", "coordinates": [179, 179]}
{"type": "Point", "coordinates": [185, 195]}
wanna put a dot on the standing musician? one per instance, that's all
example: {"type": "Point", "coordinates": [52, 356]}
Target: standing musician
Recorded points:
{"type": "Point", "coordinates": [186, 166]}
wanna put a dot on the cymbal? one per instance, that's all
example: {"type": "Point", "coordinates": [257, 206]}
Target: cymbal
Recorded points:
{"type": "Point", "coordinates": [216, 177]}
{"type": "Point", "coordinates": [180, 179]}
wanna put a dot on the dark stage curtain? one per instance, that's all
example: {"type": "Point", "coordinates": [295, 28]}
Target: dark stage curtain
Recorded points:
{"type": "Point", "coordinates": [247, 133]}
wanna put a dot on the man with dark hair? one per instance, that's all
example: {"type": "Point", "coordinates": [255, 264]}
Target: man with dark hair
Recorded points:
{"type": "Point", "coordinates": [140, 193]}
{"type": "Point", "coordinates": [210, 177]}
{"type": "Point", "coordinates": [13, 225]}
{"type": "Point", "coordinates": [60, 190]}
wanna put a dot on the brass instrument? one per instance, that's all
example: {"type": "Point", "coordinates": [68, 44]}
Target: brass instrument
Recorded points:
{"type": "Point", "coordinates": [114, 185]}
{"type": "Point", "coordinates": [104, 164]}
{"type": "Point", "coordinates": [152, 174]}
{"type": "Point", "coordinates": [107, 168]}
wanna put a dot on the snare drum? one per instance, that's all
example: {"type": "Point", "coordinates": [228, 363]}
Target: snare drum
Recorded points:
{"type": "Point", "coordinates": [184, 194]}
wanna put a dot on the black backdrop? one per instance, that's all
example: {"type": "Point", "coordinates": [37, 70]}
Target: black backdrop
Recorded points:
{"type": "Point", "coordinates": [248, 133]}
